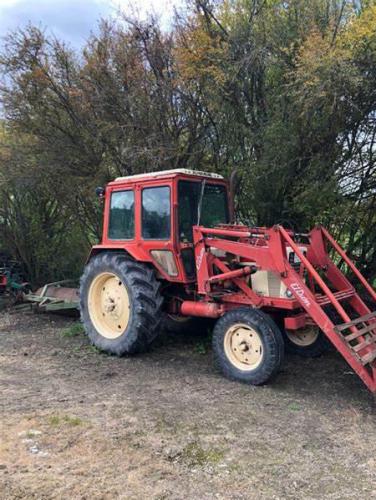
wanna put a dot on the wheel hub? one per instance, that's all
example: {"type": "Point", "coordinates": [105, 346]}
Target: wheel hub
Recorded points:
{"type": "Point", "coordinates": [109, 305]}
{"type": "Point", "coordinates": [303, 337]}
{"type": "Point", "coordinates": [243, 347]}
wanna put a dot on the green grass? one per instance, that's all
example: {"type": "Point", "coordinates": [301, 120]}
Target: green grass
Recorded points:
{"type": "Point", "coordinates": [32, 434]}
{"type": "Point", "coordinates": [294, 407]}
{"type": "Point", "coordinates": [194, 455]}
{"type": "Point", "coordinates": [74, 330]}
{"type": "Point", "coordinates": [203, 346]}
{"type": "Point", "coordinates": [94, 349]}
{"type": "Point", "coordinates": [58, 420]}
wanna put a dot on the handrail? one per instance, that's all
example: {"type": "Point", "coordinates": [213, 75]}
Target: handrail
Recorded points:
{"type": "Point", "coordinates": [349, 262]}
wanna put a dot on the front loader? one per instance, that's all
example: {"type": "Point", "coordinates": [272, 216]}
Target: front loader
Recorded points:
{"type": "Point", "coordinates": [171, 255]}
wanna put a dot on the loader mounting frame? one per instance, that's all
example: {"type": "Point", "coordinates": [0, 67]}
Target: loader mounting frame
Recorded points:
{"type": "Point", "coordinates": [316, 284]}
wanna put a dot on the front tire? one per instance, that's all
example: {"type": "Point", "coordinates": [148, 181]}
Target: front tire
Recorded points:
{"type": "Point", "coordinates": [307, 342]}
{"type": "Point", "coordinates": [248, 346]}
{"type": "Point", "coordinates": [120, 303]}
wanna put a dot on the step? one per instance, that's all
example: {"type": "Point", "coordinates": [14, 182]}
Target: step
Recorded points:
{"type": "Point", "coordinates": [368, 358]}
{"type": "Point", "coordinates": [359, 333]}
{"type": "Point", "coordinates": [369, 341]}
{"type": "Point", "coordinates": [356, 321]}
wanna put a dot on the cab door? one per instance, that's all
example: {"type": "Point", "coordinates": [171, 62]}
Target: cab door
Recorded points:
{"type": "Point", "coordinates": [214, 210]}
{"type": "Point", "coordinates": [188, 194]}
{"type": "Point", "coordinates": [156, 229]}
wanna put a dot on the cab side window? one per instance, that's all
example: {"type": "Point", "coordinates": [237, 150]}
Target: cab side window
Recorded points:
{"type": "Point", "coordinates": [156, 213]}
{"type": "Point", "coordinates": [121, 224]}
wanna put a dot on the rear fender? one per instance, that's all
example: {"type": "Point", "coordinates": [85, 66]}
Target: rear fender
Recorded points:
{"type": "Point", "coordinates": [97, 249]}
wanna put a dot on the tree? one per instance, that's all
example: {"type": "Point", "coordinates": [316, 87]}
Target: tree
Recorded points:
{"type": "Point", "coordinates": [283, 91]}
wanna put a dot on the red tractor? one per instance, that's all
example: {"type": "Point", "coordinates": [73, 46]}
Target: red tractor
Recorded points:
{"type": "Point", "coordinates": [171, 253]}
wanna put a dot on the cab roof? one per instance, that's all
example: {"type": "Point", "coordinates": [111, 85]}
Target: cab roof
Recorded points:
{"type": "Point", "coordinates": [169, 173]}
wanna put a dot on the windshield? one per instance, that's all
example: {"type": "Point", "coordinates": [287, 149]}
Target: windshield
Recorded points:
{"type": "Point", "coordinates": [214, 209]}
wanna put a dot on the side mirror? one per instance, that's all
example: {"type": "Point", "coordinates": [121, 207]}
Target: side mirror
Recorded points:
{"type": "Point", "coordinates": [100, 191]}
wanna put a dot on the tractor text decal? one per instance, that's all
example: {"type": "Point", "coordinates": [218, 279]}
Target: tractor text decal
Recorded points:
{"type": "Point", "coordinates": [199, 258]}
{"type": "Point", "coordinates": [300, 293]}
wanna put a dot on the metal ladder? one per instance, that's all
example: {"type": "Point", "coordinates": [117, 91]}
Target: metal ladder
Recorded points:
{"type": "Point", "coordinates": [355, 337]}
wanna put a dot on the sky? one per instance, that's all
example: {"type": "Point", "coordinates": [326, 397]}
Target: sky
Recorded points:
{"type": "Point", "coordinates": [73, 20]}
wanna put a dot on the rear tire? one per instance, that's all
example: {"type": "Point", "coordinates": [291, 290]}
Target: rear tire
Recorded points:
{"type": "Point", "coordinates": [248, 346]}
{"type": "Point", "coordinates": [120, 303]}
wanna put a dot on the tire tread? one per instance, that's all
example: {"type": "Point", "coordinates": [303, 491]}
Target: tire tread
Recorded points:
{"type": "Point", "coordinates": [146, 304]}
{"type": "Point", "coordinates": [271, 337]}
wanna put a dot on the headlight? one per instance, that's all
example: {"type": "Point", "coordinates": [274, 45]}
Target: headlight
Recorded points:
{"type": "Point", "coordinates": [289, 294]}
{"type": "Point", "coordinates": [166, 260]}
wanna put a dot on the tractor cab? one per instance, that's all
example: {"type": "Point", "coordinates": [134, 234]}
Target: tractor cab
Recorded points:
{"type": "Point", "coordinates": [152, 216]}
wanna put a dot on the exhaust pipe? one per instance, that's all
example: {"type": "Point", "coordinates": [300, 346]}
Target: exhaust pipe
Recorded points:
{"type": "Point", "coordinates": [203, 309]}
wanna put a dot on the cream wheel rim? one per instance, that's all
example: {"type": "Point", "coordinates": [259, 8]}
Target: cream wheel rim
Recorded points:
{"type": "Point", "coordinates": [243, 347]}
{"type": "Point", "coordinates": [303, 337]}
{"type": "Point", "coordinates": [109, 305]}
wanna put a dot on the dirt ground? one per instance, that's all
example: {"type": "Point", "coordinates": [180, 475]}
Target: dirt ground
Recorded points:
{"type": "Point", "coordinates": [78, 424]}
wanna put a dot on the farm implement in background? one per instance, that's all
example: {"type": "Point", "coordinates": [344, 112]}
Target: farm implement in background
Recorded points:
{"type": "Point", "coordinates": [16, 292]}
{"type": "Point", "coordinates": [54, 297]}
{"type": "Point", "coordinates": [12, 285]}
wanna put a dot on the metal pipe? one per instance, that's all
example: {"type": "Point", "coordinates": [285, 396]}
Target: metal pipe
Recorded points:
{"type": "Point", "coordinates": [230, 275]}
{"type": "Point", "coordinates": [224, 232]}
{"type": "Point", "coordinates": [203, 309]}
